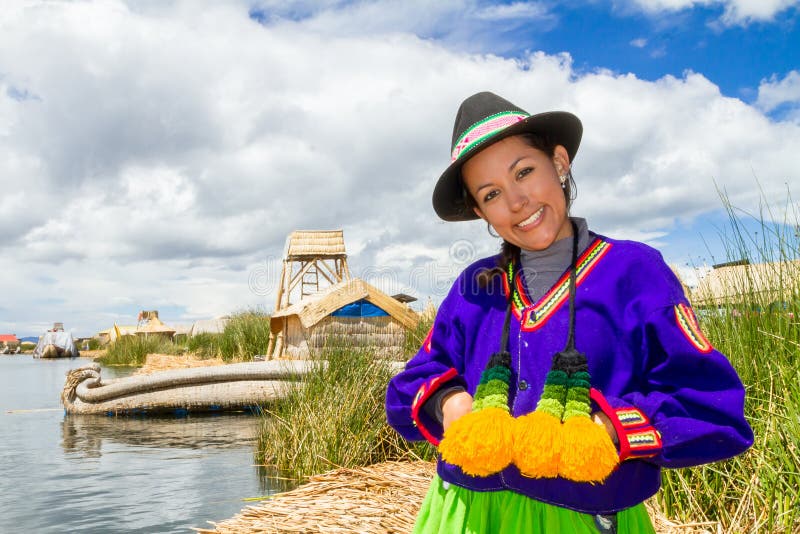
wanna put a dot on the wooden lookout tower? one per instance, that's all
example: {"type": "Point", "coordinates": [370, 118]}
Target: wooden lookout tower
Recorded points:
{"type": "Point", "coordinates": [314, 261]}
{"type": "Point", "coordinates": [320, 306]}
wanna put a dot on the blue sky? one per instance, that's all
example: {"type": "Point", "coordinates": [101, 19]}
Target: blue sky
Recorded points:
{"type": "Point", "coordinates": [154, 155]}
{"type": "Point", "coordinates": [736, 58]}
{"type": "Point", "coordinates": [735, 55]}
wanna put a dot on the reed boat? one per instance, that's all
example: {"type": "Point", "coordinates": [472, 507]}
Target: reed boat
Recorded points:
{"type": "Point", "coordinates": [56, 344]}
{"type": "Point", "coordinates": [227, 388]}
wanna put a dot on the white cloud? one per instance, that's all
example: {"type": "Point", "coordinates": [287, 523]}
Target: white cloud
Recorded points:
{"type": "Point", "coordinates": [170, 150]}
{"type": "Point", "coordinates": [773, 93]}
{"type": "Point", "coordinates": [736, 12]}
{"type": "Point", "coordinates": [639, 43]}
{"type": "Point", "coordinates": [514, 11]}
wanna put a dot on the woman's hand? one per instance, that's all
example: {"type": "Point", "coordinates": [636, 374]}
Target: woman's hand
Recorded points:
{"type": "Point", "coordinates": [455, 405]}
{"type": "Point", "coordinates": [602, 419]}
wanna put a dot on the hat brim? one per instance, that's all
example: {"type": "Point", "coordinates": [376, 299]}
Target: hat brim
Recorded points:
{"type": "Point", "coordinates": [449, 195]}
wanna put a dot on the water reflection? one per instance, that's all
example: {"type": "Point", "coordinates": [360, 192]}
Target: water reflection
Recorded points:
{"type": "Point", "coordinates": [87, 433]}
{"type": "Point", "coordinates": [116, 474]}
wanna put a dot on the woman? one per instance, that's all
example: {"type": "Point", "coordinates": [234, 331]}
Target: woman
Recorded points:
{"type": "Point", "coordinates": [561, 375]}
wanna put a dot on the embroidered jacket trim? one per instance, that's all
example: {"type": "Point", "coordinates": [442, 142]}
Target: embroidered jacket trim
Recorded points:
{"type": "Point", "coordinates": [423, 393]}
{"type": "Point", "coordinates": [534, 316]}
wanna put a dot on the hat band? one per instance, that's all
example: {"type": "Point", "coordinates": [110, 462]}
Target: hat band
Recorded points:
{"type": "Point", "coordinates": [480, 131]}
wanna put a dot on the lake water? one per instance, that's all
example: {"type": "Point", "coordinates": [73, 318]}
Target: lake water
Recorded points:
{"type": "Point", "coordinates": [63, 473]}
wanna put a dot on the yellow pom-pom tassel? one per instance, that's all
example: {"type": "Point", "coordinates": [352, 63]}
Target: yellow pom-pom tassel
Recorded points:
{"type": "Point", "coordinates": [588, 454]}
{"type": "Point", "coordinates": [537, 445]}
{"type": "Point", "coordinates": [480, 443]}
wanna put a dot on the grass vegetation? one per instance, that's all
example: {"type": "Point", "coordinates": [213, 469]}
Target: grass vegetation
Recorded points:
{"type": "Point", "coordinates": [132, 350]}
{"type": "Point", "coordinates": [246, 335]}
{"type": "Point", "coordinates": [415, 338]}
{"type": "Point", "coordinates": [92, 344]}
{"type": "Point", "coordinates": [335, 418]}
{"type": "Point", "coordinates": [759, 331]}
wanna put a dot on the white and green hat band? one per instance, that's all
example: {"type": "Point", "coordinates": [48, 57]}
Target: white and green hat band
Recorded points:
{"type": "Point", "coordinates": [483, 119]}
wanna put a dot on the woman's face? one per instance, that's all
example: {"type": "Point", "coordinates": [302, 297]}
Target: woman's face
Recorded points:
{"type": "Point", "coordinates": [517, 190]}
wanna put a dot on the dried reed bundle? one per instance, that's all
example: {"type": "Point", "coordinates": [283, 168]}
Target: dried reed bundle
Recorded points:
{"type": "Point", "coordinates": [163, 362]}
{"type": "Point", "coordinates": [382, 498]}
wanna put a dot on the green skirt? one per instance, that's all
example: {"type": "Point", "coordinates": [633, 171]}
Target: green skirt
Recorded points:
{"type": "Point", "coordinates": [453, 509]}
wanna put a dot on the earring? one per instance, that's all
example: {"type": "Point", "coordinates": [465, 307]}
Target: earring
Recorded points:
{"type": "Point", "coordinates": [563, 179]}
{"type": "Point", "coordinates": [489, 229]}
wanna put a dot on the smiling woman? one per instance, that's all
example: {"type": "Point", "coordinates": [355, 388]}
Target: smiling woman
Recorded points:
{"type": "Point", "coordinates": [520, 190]}
{"type": "Point", "coordinates": [536, 433]}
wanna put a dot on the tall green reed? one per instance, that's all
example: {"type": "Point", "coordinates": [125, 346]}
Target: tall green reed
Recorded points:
{"type": "Point", "coordinates": [334, 417]}
{"type": "Point", "coordinates": [246, 335]}
{"type": "Point", "coordinates": [758, 328]}
{"type": "Point", "coordinates": [132, 350]}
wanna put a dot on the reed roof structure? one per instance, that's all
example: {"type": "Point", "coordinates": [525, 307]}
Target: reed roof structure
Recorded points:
{"type": "Point", "coordinates": [310, 324]}
{"type": "Point", "coordinates": [744, 283]}
{"type": "Point", "coordinates": [314, 260]}
{"type": "Point", "coordinates": [315, 244]}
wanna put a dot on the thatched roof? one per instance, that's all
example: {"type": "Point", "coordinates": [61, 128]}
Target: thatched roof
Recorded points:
{"type": "Point", "coordinates": [314, 308]}
{"type": "Point", "coordinates": [760, 283]}
{"type": "Point", "coordinates": [116, 331]}
{"type": "Point", "coordinates": [315, 243]}
{"type": "Point", "coordinates": [154, 325]}
{"type": "Point", "coordinates": [183, 329]}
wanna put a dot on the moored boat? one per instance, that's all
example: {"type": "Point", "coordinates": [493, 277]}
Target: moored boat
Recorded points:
{"type": "Point", "coordinates": [233, 387]}
{"type": "Point", "coordinates": [56, 344]}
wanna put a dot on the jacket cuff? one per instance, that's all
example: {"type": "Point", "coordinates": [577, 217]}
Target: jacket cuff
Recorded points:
{"type": "Point", "coordinates": [637, 437]}
{"type": "Point", "coordinates": [428, 426]}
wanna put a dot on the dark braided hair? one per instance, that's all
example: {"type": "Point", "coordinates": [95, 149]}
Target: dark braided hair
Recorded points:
{"type": "Point", "coordinates": [509, 253]}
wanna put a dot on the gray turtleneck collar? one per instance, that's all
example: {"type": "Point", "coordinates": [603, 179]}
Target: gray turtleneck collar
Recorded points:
{"type": "Point", "coordinates": [542, 268]}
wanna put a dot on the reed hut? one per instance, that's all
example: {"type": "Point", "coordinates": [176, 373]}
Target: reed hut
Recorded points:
{"type": "Point", "coordinates": [349, 314]}
{"type": "Point", "coordinates": [151, 326]}
{"type": "Point", "coordinates": [110, 335]}
{"type": "Point", "coordinates": [741, 283]}
{"type": "Point", "coordinates": [148, 325]}
{"type": "Point", "coordinates": [319, 305]}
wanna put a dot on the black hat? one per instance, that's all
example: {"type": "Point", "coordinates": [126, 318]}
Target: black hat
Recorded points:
{"type": "Point", "coordinates": [483, 119]}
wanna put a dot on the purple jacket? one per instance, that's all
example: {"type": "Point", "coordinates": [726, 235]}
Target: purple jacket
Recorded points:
{"type": "Point", "coordinates": [674, 400]}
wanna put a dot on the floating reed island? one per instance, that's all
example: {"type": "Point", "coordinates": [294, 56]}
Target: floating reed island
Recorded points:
{"type": "Point", "coordinates": [380, 499]}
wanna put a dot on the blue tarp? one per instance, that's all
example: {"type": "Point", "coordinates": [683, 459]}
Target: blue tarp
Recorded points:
{"type": "Point", "coordinates": [359, 308]}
